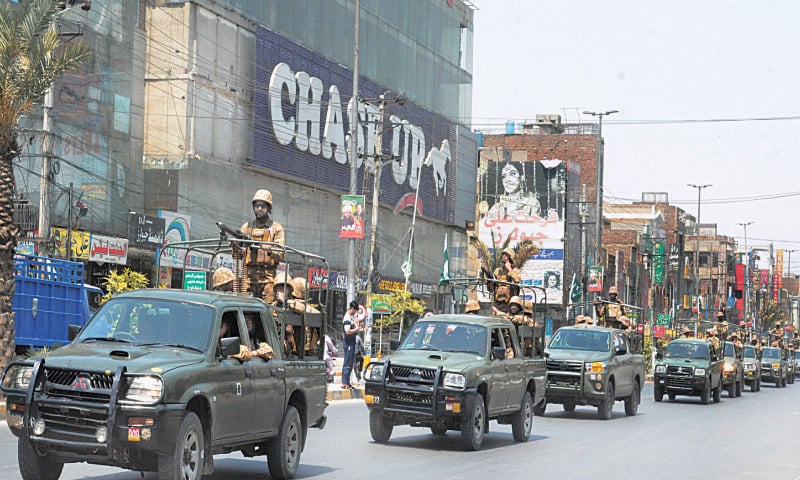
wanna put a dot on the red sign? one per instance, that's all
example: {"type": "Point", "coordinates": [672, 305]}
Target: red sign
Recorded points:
{"type": "Point", "coordinates": [659, 331]}
{"type": "Point", "coordinates": [640, 328]}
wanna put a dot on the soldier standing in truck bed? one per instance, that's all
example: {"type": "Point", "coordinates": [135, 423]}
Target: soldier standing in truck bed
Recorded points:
{"type": "Point", "coordinates": [261, 261]}
{"type": "Point", "coordinates": [612, 311]}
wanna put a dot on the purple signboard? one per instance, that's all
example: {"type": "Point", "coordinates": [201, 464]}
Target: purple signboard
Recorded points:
{"type": "Point", "coordinates": [302, 105]}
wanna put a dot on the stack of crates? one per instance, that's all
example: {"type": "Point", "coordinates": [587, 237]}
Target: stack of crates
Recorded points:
{"type": "Point", "coordinates": [48, 297]}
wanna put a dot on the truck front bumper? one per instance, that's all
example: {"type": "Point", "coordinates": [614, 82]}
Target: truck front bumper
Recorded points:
{"type": "Point", "coordinates": [581, 388]}
{"type": "Point", "coordinates": [409, 404]}
{"type": "Point", "coordinates": [680, 384]}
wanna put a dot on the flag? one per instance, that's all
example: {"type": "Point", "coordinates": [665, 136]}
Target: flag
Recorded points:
{"type": "Point", "coordinates": [445, 277]}
{"type": "Point", "coordinates": [574, 290]}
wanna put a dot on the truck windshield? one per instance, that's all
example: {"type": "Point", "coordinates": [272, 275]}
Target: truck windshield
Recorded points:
{"type": "Point", "coordinates": [687, 350]}
{"type": "Point", "coordinates": [749, 352]}
{"type": "Point", "coordinates": [448, 337]}
{"type": "Point", "coordinates": [581, 339]}
{"type": "Point", "coordinates": [148, 321]}
{"type": "Point", "coordinates": [729, 350]}
{"type": "Point", "coordinates": [771, 353]}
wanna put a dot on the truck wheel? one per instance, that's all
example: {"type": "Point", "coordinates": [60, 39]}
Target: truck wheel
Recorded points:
{"type": "Point", "coordinates": [706, 393]}
{"type": "Point", "coordinates": [607, 404]}
{"type": "Point", "coordinates": [380, 427]}
{"type": "Point", "coordinates": [632, 402]}
{"type": "Point", "coordinates": [186, 462]}
{"type": "Point", "coordinates": [658, 393]}
{"type": "Point", "coordinates": [568, 406]}
{"type": "Point", "coordinates": [283, 451]}
{"type": "Point", "coordinates": [672, 396]}
{"type": "Point", "coordinates": [539, 410]}
{"type": "Point", "coordinates": [739, 388]}
{"type": "Point", "coordinates": [732, 390]}
{"type": "Point", "coordinates": [472, 426]}
{"type": "Point", "coordinates": [716, 393]}
{"type": "Point", "coordinates": [754, 386]}
{"type": "Point", "coordinates": [522, 421]}
{"type": "Point", "coordinates": [438, 430]}
{"type": "Point", "coordinates": [33, 466]}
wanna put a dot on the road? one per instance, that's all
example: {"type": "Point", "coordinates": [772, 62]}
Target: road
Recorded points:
{"type": "Point", "coordinates": [752, 437]}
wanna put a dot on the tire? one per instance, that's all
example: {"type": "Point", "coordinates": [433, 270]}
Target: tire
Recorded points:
{"type": "Point", "coordinates": [754, 386]}
{"type": "Point", "coordinates": [716, 393]}
{"type": "Point", "coordinates": [758, 385]}
{"type": "Point", "coordinates": [739, 389]}
{"type": "Point", "coordinates": [473, 425]}
{"type": "Point", "coordinates": [606, 406]}
{"type": "Point", "coordinates": [672, 396]}
{"type": "Point", "coordinates": [438, 430]}
{"type": "Point", "coordinates": [539, 410]}
{"type": "Point", "coordinates": [706, 393]}
{"type": "Point", "coordinates": [380, 427]}
{"type": "Point", "coordinates": [33, 466]}
{"type": "Point", "coordinates": [568, 406]}
{"type": "Point", "coordinates": [522, 421]}
{"type": "Point", "coordinates": [731, 390]}
{"type": "Point", "coordinates": [658, 393]}
{"type": "Point", "coordinates": [186, 462]}
{"type": "Point", "coordinates": [283, 451]}
{"type": "Point", "coordinates": [632, 402]}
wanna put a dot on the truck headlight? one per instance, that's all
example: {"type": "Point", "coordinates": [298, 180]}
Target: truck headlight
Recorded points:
{"type": "Point", "coordinates": [374, 372]}
{"type": "Point", "coordinates": [661, 369]}
{"type": "Point", "coordinates": [728, 368]}
{"type": "Point", "coordinates": [18, 377]}
{"type": "Point", "coordinates": [596, 367]}
{"type": "Point", "coordinates": [776, 366]}
{"type": "Point", "coordinates": [145, 389]}
{"type": "Point", "coordinates": [454, 380]}
{"type": "Point", "coordinates": [699, 372]}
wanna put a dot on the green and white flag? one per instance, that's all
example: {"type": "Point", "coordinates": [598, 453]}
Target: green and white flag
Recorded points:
{"type": "Point", "coordinates": [445, 277]}
{"type": "Point", "coordinates": [574, 290]}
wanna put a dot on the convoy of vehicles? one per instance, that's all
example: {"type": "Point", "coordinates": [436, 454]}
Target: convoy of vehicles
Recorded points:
{"type": "Point", "coordinates": [687, 368]}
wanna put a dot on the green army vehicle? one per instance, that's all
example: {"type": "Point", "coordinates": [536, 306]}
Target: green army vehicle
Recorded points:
{"type": "Point", "coordinates": [733, 370]}
{"type": "Point", "coordinates": [774, 368]}
{"type": "Point", "coordinates": [752, 368]}
{"type": "Point", "coordinates": [687, 368]}
{"type": "Point", "coordinates": [149, 385]}
{"type": "Point", "coordinates": [457, 372]}
{"type": "Point", "coordinates": [595, 366]}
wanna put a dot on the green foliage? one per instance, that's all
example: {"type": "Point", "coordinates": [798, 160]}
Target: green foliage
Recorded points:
{"type": "Point", "coordinates": [490, 260]}
{"type": "Point", "coordinates": [118, 282]}
{"type": "Point", "coordinates": [648, 353]}
{"type": "Point", "coordinates": [772, 314]}
{"type": "Point", "coordinates": [399, 302]}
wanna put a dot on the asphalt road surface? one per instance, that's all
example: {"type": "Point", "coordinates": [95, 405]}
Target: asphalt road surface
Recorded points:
{"type": "Point", "coordinates": [756, 436]}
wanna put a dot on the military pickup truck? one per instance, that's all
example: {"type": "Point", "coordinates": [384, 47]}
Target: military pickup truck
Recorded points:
{"type": "Point", "coordinates": [774, 368]}
{"type": "Point", "coordinates": [150, 384]}
{"type": "Point", "coordinates": [732, 370]}
{"type": "Point", "coordinates": [752, 368]}
{"type": "Point", "coordinates": [687, 368]}
{"type": "Point", "coordinates": [595, 366]}
{"type": "Point", "coordinates": [457, 372]}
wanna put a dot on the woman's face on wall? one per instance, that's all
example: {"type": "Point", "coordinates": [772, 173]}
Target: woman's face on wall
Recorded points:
{"type": "Point", "coordinates": [511, 179]}
{"type": "Point", "coordinates": [551, 281]}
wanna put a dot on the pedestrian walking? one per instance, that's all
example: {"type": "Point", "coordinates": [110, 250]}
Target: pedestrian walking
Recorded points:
{"type": "Point", "coordinates": [351, 329]}
{"type": "Point", "coordinates": [328, 355]}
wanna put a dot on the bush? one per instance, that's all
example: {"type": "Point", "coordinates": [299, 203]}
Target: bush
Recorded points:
{"type": "Point", "coordinates": [118, 282]}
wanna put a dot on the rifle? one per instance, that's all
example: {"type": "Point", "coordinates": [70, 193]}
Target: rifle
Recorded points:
{"type": "Point", "coordinates": [228, 231]}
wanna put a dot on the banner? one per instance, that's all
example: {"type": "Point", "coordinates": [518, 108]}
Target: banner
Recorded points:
{"type": "Point", "coordinates": [352, 224]}
{"type": "Point", "coordinates": [109, 250]}
{"type": "Point", "coordinates": [145, 231]}
{"type": "Point", "coordinates": [79, 246]}
{"type": "Point", "coordinates": [595, 283]}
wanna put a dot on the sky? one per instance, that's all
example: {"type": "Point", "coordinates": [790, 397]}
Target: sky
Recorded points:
{"type": "Point", "coordinates": [678, 66]}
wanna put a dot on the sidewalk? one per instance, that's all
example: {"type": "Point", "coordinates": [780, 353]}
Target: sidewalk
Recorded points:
{"type": "Point", "coordinates": [335, 391]}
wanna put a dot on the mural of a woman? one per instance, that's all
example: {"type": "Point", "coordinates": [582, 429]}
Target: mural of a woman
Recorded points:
{"type": "Point", "coordinates": [515, 202]}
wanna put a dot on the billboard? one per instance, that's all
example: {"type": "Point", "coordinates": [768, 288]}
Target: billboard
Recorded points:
{"type": "Point", "coordinates": [352, 221]}
{"type": "Point", "coordinates": [302, 111]}
{"type": "Point", "coordinates": [527, 201]}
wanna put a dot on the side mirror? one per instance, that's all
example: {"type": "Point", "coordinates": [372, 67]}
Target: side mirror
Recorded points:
{"type": "Point", "coordinates": [229, 346]}
{"type": "Point", "coordinates": [659, 356]}
{"type": "Point", "coordinates": [621, 350]}
{"type": "Point", "coordinates": [498, 353]}
{"type": "Point", "coordinates": [73, 331]}
{"type": "Point", "coordinates": [394, 344]}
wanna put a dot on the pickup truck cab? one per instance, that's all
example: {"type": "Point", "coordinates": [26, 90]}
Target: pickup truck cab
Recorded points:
{"type": "Point", "coordinates": [457, 372]}
{"type": "Point", "coordinates": [791, 364]}
{"type": "Point", "coordinates": [149, 384]}
{"type": "Point", "coordinates": [732, 370]}
{"type": "Point", "coordinates": [687, 368]}
{"type": "Point", "coordinates": [774, 368]}
{"type": "Point", "coordinates": [589, 365]}
{"type": "Point", "coordinates": [752, 368]}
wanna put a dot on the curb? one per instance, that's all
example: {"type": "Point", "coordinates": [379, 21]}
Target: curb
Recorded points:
{"type": "Point", "coordinates": [335, 392]}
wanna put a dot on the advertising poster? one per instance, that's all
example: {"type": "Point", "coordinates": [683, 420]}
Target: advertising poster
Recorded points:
{"type": "Point", "coordinates": [527, 201]}
{"type": "Point", "coordinates": [595, 279]}
{"type": "Point", "coordinates": [80, 243]}
{"type": "Point", "coordinates": [109, 250]}
{"type": "Point", "coordinates": [352, 224]}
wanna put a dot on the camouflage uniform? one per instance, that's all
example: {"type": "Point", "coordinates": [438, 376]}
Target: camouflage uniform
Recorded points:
{"type": "Point", "coordinates": [503, 292]}
{"type": "Point", "coordinates": [612, 312]}
{"type": "Point", "coordinates": [223, 280]}
{"type": "Point", "coordinates": [516, 315]}
{"type": "Point", "coordinates": [299, 305]}
{"type": "Point", "coordinates": [712, 338]}
{"type": "Point", "coordinates": [261, 261]}
{"type": "Point", "coordinates": [473, 307]}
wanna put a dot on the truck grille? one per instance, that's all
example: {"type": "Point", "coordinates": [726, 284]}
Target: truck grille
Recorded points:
{"type": "Point", "coordinates": [679, 377]}
{"type": "Point", "coordinates": [412, 375]}
{"type": "Point", "coordinates": [410, 400]}
{"type": "Point", "coordinates": [78, 385]}
{"type": "Point", "coordinates": [555, 379]}
{"type": "Point", "coordinates": [564, 366]}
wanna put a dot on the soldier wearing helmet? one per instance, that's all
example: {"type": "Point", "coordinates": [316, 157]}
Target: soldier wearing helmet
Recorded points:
{"type": "Point", "coordinates": [223, 280]}
{"type": "Point", "coordinates": [260, 260]}
{"type": "Point", "coordinates": [299, 305]}
{"type": "Point", "coordinates": [473, 307]}
{"type": "Point", "coordinates": [507, 273]}
{"type": "Point", "coordinates": [612, 311]}
{"type": "Point", "coordinates": [515, 313]}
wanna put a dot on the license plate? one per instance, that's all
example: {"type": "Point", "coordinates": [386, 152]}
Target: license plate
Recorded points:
{"type": "Point", "coordinates": [134, 434]}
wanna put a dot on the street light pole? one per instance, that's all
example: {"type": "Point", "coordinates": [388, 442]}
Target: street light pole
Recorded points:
{"type": "Point", "coordinates": [599, 180]}
{"type": "Point", "coordinates": [789, 273]}
{"type": "Point", "coordinates": [351, 243]}
{"type": "Point", "coordinates": [746, 271]}
{"type": "Point", "coordinates": [696, 288]}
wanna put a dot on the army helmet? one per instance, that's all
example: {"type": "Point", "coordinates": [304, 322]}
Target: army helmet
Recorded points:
{"type": "Point", "coordinates": [527, 307]}
{"type": "Point", "coordinates": [472, 306]}
{"type": "Point", "coordinates": [580, 320]}
{"type": "Point", "coordinates": [222, 276]}
{"type": "Point", "coordinates": [283, 280]}
{"type": "Point", "coordinates": [613, 289]}
{"type": "Point", "coordinates": [517, 300]}
{"type": "Point", "coordinates": [263, 195]}
{"type": "Point", "coordinates": [298, 287]}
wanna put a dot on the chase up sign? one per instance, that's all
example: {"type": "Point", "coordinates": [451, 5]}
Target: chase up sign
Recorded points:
{"type": "Point", "coordinates": [303, 103]}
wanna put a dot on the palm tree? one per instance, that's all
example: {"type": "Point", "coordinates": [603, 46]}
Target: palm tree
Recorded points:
{"type": "Point", "coordinates": [31, 57]}
{"type": "Point", "coordinates": [490, 260]}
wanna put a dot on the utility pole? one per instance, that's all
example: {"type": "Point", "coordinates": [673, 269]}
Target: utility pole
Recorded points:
{"type": "Point", "coordinates": [584, 213]}
{"type": "Point", "coordinates": [599, 154]}
{"type": "Point", "coordinates": [47, 158]}
{"type": "Point", "coordinates": [351, 243]}
{"type": "Point", "coordinates": [789, 273]}
{"type": "Point", "coordinates": [696, 289]}
{"type": "Point", "coordinates": [373, 234]}
{"type": "Point", "coordinates": [746, 272]}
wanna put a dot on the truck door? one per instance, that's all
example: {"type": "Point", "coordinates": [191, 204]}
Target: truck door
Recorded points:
{"type": "Point", "coordinates": [624, 364]}
{"type": "Point", "coordinates": [268, 375]}
{"type": "Point", "coordinates": [514, 380]}
{"type": "Point", "coordinates": [231, 386]}
{"type": "Point", "coordinates": [497, 387]}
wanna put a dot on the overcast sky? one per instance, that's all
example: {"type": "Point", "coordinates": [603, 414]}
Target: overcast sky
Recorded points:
{"type": "Point", "coordinates": [663, 62]}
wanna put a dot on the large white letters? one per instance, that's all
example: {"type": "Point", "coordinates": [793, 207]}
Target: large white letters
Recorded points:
{"type": "Point", "coordinates": [333, 142]}
{"type": "Point", "coordinates": [309, 106]}
{"type": "Point", "coordinates": [281, 78]}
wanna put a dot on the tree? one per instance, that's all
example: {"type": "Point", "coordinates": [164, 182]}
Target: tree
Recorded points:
{"type": "Point", "coordinates": [31, 58]}
{"type": "Point", "coordinates": [399, 302]}
{"type": "Point", "coordinates": [771, 315]}
{"type": "Point", "coordinates": [118, 282]}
